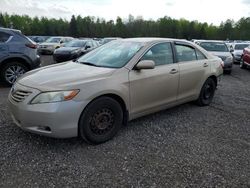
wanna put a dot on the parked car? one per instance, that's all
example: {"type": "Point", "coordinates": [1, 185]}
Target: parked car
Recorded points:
{"type": "Point", "coordinates": [18, 55]}
{"type": "Point", "coordinates": [221, 50]}
{"type": "Point", "coordinates": [52, 43]}
{"type": "Point", "coordinates": [245, 60]}
{"type": "Point", "coordinates": [238, 51]}
{"type": "Point", "coordinates": [74, 49]}
{"type": "Point", "coordinates": [39, 39]}
{"type": "Point", "coordinates": [117, 82]}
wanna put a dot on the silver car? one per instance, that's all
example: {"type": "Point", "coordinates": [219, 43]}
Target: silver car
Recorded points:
{"type": "Point", "coordinates": [220, 49]}
{"type": "Point", "coordinates": [117, 82]}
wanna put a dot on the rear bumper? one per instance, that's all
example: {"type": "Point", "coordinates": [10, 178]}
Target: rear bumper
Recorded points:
{"type": "Point", "coordinates": [36, 63]}
{"type": "Point", "coordinates": [64, 57]}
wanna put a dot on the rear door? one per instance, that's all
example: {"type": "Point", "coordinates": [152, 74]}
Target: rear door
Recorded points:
{"type": "Point", "coordinates": [151, 90]}
{"type": "Point", "coordinates": [4, 50]}
{"type": "Point", "coordinates": [194, 69]}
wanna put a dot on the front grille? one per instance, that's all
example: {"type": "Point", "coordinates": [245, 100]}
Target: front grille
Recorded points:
{"type": "Point", "coordinates": [20, 95]}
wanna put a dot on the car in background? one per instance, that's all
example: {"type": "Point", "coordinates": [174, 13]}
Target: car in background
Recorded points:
{"type": "Point", "coordinates": [74, 49]}
{"type": "Point", "coordinates": [245, 60]}
{"type": "Point", "coordinates": [238, 51]}
{"type": "Point", "coordinates": [108, 39]}
{"type": "Point", "coordinates": [117, 82]}
{"type": "Point", "coordinates": [18, 54]}
{"type": "Point", "coordinates": [52, 43]}
{"type": "Point", "coordinates": [220, 49]}
{"type": "Point", "coordinates": [39, 39]}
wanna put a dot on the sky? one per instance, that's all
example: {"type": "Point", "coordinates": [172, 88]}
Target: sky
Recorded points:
{"type": "Point", "coordinates": [210, 11]}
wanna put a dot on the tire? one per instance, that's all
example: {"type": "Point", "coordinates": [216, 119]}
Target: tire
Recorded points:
{"type": "Point", "coordinates": [242, 65]}
{"type": "Point", "coordinates": [11, 71]}
{"type": "Point", "coordinates": [101, 120]}
{"type": "Point", "coordinates": [207, 93]}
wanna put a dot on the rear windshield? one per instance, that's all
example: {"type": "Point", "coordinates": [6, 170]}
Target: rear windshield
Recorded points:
{"type": "Point", "coordinates": [53, 40]}
{"type": "Point", "coordinates": [240, 46]}
{"type": "Point", "coordinates": [75, 43]}
{"type": "Point", "coordinates": [214, 46]}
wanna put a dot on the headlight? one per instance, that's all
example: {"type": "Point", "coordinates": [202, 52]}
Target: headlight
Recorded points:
{"type": "Point", "coordinates": [229, 59]}
{"type": "Point", "coordinates": [54, 96]}
{"type": "Point", "coordinates": [75, 51]}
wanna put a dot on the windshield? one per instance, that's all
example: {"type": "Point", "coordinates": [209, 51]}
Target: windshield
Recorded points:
{"type": "Point", "coordinates": [75, 43]}
{"type": "Point", "coordinates": [115, 54]}
{"type": "Point", "coordinates": [53, 40]}
{"type": "Point", "coordinates": [214, 46]}
{"type": "Point", "coordinates": [240, 46]}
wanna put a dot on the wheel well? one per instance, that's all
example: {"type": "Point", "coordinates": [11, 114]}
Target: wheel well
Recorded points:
{"type": "Point", "coordinates": [15, 59]}
{"type": "Point", "coordinates": [121, 102]}
{"type": "Point", "coordinates": [215, 79]}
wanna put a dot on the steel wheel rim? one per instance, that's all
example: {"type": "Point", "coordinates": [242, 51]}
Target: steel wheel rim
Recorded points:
{"type": "Point", "coordinates": [102, 121]}
{"type": "Point", "coordinates": [13, 72]}
{"type": "Point", "coordinates": [208, 91]}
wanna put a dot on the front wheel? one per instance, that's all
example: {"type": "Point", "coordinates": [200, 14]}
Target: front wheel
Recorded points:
{"type": "Point", "coordinates": [11, 71]}
{"type": "Point", "coordinates": [101, 120]}
{"type": "Point", "coordinates": [207, 93]}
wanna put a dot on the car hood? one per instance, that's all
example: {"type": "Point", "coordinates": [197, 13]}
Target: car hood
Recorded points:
{"type": "Point", "coordinates": [48, 44]}
{"type": "Point", "coordinates": [63, 76]}
{"type": "Point", "coordinates": [221, 54]}
{"type": "Point", "coordinates": [238, 52]}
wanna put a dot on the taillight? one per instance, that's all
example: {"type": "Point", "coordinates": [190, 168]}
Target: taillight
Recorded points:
{"type": "Point", "coordinates": [30, 45]}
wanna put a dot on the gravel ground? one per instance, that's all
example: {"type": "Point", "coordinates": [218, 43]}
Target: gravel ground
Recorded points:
{"type": "Point", "coordinates": [186, 146]}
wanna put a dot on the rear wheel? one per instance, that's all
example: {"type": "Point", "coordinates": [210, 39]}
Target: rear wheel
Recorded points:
{"type": "Point", "coordinates": [11, 71]}
{"type": "Point", "coordinates": [207, 93]}
{"type": "Point", "coordinates": [101, 120]}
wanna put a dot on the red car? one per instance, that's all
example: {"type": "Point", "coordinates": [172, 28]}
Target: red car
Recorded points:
{"type": "Point", "coordinates": [245, 60]}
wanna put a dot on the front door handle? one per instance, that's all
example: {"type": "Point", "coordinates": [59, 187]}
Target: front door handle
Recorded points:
{"type": "Point", "coordinates": [173, 71]}
{"type": "Point", "coordinates": [205, 65]}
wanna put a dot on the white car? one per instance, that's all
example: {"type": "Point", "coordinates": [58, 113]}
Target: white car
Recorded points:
{"type": "Point", "coordinates": [238, 51]}
{"type": "Point", "coordinates": [220, 49]}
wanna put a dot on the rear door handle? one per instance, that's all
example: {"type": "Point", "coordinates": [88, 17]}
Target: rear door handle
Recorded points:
{"type": "Point", "coordinates": [173, 71]}
{"type": "Point", "coordinates": [205, 65]}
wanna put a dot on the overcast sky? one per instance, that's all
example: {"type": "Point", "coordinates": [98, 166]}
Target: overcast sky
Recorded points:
{"type": "Point", "coordinates": [211, 11]}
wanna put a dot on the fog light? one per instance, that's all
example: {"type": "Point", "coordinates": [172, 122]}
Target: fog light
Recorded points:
{"type": "Point", "coordinates": [44, 128]}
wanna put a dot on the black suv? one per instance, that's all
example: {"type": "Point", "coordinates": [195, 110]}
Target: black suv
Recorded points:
{"type": "Point", "coordinates": [18, 54]}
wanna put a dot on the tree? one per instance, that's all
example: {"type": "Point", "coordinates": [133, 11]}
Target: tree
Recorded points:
{"type": "Point", "coordinates": [73, 27]}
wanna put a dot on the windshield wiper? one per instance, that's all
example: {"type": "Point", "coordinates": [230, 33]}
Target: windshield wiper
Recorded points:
{"type": "Point", "coordinates": [88, 63]}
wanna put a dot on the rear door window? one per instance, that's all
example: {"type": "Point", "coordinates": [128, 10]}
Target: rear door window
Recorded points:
{"type": "Point", "coordinates": [188, 53]}
{"type": "Point", "coordinates": [4, 37]}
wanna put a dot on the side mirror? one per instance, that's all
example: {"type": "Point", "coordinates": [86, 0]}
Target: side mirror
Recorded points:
{"type": "Point", "coordinates": [87, 47]}
{"type": "Point", "coordinates": [61, 42]}
{"type": "Point", "coordinates": [145, 64]}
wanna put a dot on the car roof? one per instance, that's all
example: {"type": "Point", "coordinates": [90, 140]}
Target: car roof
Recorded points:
{"type": "Point", "coordinates": [210, 41]}
{"type": "Point", "coordinates": [153, 39]}
{"type": "Point", "coordinates": [8, 29]}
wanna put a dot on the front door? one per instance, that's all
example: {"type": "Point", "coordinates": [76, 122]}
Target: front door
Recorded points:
{"type": "Point", "coordinates": [151, 90]}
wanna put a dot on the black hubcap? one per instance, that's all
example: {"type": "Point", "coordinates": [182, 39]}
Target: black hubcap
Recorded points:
{"type": "Point", "coordinates": [102, 121]}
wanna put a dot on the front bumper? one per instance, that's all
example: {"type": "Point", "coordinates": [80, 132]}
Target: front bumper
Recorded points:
{"type": "Point", "coordinates": [59, 120]}
{"type": "Point", "coordinates": [228, 66]}
{"type": "Point", "coordinates": [237, 59]}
